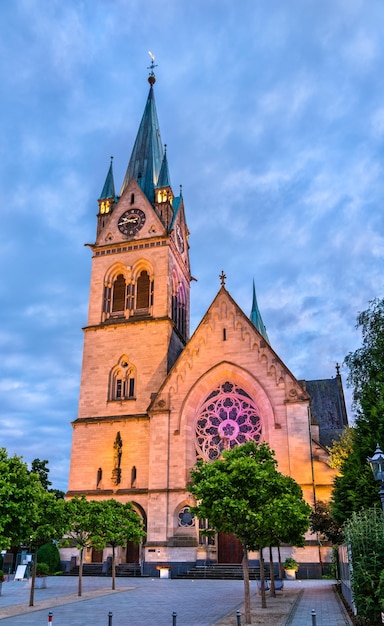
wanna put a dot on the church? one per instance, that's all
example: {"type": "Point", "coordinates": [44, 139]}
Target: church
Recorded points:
{"type": "Point", "coordinates": [154, 399]}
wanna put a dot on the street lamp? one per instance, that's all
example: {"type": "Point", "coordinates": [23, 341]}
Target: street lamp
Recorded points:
{"type": "Point", "coordinates": [377, 466]}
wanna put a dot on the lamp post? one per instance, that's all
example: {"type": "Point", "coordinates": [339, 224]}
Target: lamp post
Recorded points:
{"type": "Point", "coordinates": [377, 466]}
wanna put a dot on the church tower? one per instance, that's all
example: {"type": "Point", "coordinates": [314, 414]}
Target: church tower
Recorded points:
{"type": "Point", "coordinates": [138, 318]}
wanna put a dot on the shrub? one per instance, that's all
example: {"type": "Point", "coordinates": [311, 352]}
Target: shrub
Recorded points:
{"type": "Point", "coordinates": [42, 569]}
{"type": "Point", "coordinates": [49, 554]}
{"type": "Point", "coordinates": [365, 535]}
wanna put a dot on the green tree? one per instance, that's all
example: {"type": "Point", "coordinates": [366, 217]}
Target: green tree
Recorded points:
{"type": "Point", "coordinates": [40, 468]}
{"type": "Point", "coordinates": [322, 523]}
{"type": "Point", "coordinates": [51, 524]}
{"type": "Point", "coordinates": [341, 448]}
{"type": "Point", "coordinates": [117, 524]}
{"type": "Point", "coordinates": [244, 494]}
{"type": "Point", "coordinates": [83, 528]}
{"type": "Point", "coordinates": [20, 494]}
{"type": "Point", "coordinates": [355, 487]}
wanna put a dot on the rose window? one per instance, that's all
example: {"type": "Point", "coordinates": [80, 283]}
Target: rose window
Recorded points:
{"type": "Point", "coordinates": [227, 418]}
{"type": "Point", "coordinates": [185, 517]}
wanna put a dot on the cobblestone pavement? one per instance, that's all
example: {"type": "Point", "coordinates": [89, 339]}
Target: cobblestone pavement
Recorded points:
{"type": "Point", "coordinates": [320, 596]}
{"type": "Point", "coordinates": [150, 601]}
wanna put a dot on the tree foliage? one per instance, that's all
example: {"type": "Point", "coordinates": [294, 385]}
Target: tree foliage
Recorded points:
{"type": "Point", "coordinates": [40, 468]}
{"type": "Point", "coordinates": [244, 494]}
{"type": "Point", "coordinates": [20, 496]}
{"type": "Point", "coordinates": [321, 522]}
{"type": "Point", "coordinates": [117, 524]}
{"type": "Point", "coordinates": [355, 488]}
{"type": "Point", "coordinates": [83, 527]}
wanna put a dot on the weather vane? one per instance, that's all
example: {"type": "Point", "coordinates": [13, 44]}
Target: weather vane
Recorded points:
{"type": "Point", "coordinates": [152, 66]}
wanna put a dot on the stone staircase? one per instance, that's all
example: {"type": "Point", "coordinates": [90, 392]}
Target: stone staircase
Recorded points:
{"type": "Point", "coordinates": [98, 569]}
{"type": "Point", "coordinates": [222, 572]}
{"type": "Point", "coordinates": [128, 569]}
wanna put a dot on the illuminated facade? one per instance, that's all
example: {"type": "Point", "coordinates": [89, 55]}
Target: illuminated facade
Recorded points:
{"type": "Point", "coordinates": [153, 399]}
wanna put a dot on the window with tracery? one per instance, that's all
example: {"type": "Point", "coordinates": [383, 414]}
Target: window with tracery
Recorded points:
{"type": "Point", "coordinates": [185, 517]}
{"type": "Point", "coordinates": [228, 417]}
{"type": "Point", "coordinates": [122, 381]}
{"type": "Point", "coordinates": [123, 296]}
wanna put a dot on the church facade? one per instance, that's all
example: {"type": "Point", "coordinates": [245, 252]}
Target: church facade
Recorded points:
{"type": "Point", "coordinates": [153, 400]}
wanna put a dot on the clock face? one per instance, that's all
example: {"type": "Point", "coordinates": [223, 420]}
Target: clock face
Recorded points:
{"type": "Point", "coordinates": [131, 221]}
{"type": "Point", "coordinates": [179, 238]}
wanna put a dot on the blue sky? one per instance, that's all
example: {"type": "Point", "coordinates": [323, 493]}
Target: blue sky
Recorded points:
{"type": "Point", "coordinates": [273, 114]}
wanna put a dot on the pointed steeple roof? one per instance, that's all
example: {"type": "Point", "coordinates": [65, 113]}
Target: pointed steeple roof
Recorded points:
{"type": "Point", "coordinates": [256, 318]}
{"type": "Point", "coordinates": [164, 179]}
{"type": "Point", "coordinates": [147, 154]}
{"type": "Point", "coordinates": [109, 185]}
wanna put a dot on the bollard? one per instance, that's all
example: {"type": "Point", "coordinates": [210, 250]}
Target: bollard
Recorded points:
{"type": "Point", "coordinates": [174, 615]}
{"type": "Point", "coordinates": [110, 618]}
{"type": "Point", "coordinates": [238, 617]}
{"type": "Point", "coordinates": [313, 617]}
{"type": "Point", "coordinates": [50, 615]}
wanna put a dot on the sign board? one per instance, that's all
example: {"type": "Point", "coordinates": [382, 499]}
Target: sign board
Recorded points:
{"type": "Point", "coordinates": [20, 572]}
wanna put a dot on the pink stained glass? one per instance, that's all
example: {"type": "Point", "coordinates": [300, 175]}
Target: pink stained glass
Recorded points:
{"type": "Point", "coordinates": [227, 418]}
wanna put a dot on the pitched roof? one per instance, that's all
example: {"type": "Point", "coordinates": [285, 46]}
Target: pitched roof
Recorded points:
{"type": "Point", "coordinates": [328, 407]}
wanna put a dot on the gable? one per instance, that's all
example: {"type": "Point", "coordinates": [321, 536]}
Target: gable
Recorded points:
{"type": "Point", "coordinates": [134, 208]}
{"type": "Point", "coordinates": [226, 335]}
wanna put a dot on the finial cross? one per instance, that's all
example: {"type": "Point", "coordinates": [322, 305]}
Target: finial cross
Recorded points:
{"type": "Point", "coordinates": [222, 278]}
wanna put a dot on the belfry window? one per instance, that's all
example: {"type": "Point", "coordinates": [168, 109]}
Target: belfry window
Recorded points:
{"type": "Point", "coordinates": [228, 417]}
{"type": "Point", "coordinates": [144, 292]}
{"type": "Point", "coordinates": [122, 381]}
{"type": "Point", "coordinates": [124, 296]}
{"type": "Point", "coordinates": [118, 296]}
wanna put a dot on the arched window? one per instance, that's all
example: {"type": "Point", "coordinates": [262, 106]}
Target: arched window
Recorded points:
{"type": "Point", "coordinates": [122, 381]}
{"type": "Point", "coordinates": [228, 417]}
{"type": "Point", "coordinates": [118, 295]}
{"type": "Point", "coordinates": [144, 293]}
{"type": "Point", "coordinates": [124, 296]}
{"type": "Point", "coordinates": [179, 309]}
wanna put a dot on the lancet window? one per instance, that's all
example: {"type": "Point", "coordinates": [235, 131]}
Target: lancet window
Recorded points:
{"type": "Point", "coordinates": [228, 417]}
{"type": "Point", "coordinates": [127, 294]}
{"type": "Point", "coordinates": [179, 309]}
{"type": "Point", "coordinates": [122, 381]}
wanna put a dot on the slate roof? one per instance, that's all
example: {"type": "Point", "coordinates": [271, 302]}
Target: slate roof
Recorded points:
{"type": "Point", "coordinates": [147, 154]}
{"type": "Point", "coordinates": [328, 407]}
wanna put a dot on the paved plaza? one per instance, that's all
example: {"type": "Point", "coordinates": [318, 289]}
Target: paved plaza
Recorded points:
{"type": "Point", "coordinates": [151, 602]}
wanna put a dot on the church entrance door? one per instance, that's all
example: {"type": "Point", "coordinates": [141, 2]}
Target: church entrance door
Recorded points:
{"type": "Point", "coordinates": [133, 552]}
{"type": "Point", "coordinates": [230, 549]}
{"type": "Point", "coordinates": [97, 556]}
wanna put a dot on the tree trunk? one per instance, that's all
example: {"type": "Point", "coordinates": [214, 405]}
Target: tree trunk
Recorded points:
{"type": "Point", "coordinates": [272, 591]}
{"type": "Point", "coordinates": [113, 568]}
{"type": "Point", "coordinates": [32, 592]}
{"type": "Point", "coordinates": [80, 587]}
{"type": "Point", "coordinates": [280, 564]}
{"type": "Point", "coordinates": [262, 580]}
{"type": "Point", "coordinates": [247, 594]}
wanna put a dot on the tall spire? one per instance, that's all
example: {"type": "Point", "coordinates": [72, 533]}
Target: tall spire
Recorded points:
{"type": "Point", "coordinates": [256, 318]}
{"type": "Point", "coordinates": [109, 185]}
{"type": "Point", "coordinates": [164, 179]}
{"type": "Point", "coordinates": [147, 154]}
